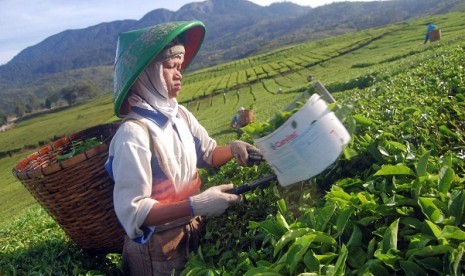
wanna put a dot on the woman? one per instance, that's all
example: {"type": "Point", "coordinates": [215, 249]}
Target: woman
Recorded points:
{"type": "Point", "coordinates": [154, 156]}
{"type": "Point", "coordinates": [234, 123]}
{"type": "Point", "coordinates": [430, 27]}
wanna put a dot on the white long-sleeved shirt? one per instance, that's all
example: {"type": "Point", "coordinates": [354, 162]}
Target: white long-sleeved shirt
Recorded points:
{"type": "Point", "coordinates": [169, 174]}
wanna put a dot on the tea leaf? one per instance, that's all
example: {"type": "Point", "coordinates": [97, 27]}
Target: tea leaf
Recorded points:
{"type": "Point", "coordinates": [394, 170]}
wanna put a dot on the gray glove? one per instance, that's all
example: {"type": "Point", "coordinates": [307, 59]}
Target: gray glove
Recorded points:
{"type": "Point", "coordinates": [241, 150]}
{"type": "Point", "coordinates": [213, 201]}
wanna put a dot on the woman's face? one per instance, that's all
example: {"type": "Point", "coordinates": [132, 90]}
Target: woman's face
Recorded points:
{"type": "Point", "coordinates": [172, 75]}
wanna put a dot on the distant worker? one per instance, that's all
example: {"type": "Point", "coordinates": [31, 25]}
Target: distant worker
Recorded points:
{"type": "Point", "coordinates": [431, 27]}
{"type": "Point", "coordinates": [310, 78]}
{"type": "Point", "coordinates": [235, 119]}
{"type": "Point", "coordinates": [280, 91]}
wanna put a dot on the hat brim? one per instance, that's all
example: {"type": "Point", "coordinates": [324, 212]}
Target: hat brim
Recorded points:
{"type": "Point", "coordinates": [137, 49]}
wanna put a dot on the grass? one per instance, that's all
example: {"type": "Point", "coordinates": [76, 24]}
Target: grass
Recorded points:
{"type": "Point", "coordinates": [47, 242]}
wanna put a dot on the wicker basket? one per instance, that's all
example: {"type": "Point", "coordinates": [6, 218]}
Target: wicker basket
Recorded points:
{"type": "Point", "coordinates": [435, 35]}
{"type": "Point", "coordinates": [76, 192]}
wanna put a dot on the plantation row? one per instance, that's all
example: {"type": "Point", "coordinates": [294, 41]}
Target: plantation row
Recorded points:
{"type": "Point", "coordinates": [294, 60]}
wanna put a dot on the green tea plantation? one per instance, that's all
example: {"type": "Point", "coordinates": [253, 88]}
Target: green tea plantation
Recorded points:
{"type": "Point", "coordinates": [392, 204]}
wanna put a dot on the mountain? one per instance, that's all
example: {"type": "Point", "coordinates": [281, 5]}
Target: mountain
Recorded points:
{"type": "Point", "coordinates": [235, 29]}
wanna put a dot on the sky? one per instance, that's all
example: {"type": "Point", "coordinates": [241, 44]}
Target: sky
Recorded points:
{"type": "Point", "coordinates": [25, 23]}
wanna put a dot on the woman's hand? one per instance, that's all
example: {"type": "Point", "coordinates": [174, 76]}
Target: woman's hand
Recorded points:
{"type": "Point", "coordinates": [241, 150]}
{"type": "Point", "coordinates": [213, 201]}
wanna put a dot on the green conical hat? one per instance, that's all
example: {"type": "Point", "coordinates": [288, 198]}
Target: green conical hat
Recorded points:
{"type": "Point", "coordinates": [136, 49]}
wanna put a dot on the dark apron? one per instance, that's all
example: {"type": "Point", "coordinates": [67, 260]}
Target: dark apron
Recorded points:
{"type": "Point", "coordinates": [167, 250]}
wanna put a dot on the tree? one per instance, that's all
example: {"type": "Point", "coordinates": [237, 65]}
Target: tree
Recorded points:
{"type": "Point", "coordinates": [20, 109]}
{"type": "Point", "coordinates": [70, 97]}
{"type": "Point", "coordinates": [88, 90]}
{"type": "Point", "coordinates": [48, 103]}
{"type": "Point", "coordinates": [32, 104]}
{"type": "Point", "coordinates": [69, 94]}
{"type": "Point", "coordinates": [51, 99]}
{"type": "Point", "coordinates": [3, 119]}
{"type": "Point", "coordinates": [82, 92]}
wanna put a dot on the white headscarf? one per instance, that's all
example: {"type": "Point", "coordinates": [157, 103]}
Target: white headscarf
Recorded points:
{"type": "Point", "coordinates": [150, 90]}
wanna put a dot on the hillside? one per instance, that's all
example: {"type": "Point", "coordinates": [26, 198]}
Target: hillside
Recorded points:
{"type": "Point", "coordinates": [342, 63]}
{"type": "Point", "coordinates": [394, 202]}
{"type": "Point", "coordinates": [235, 29]}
